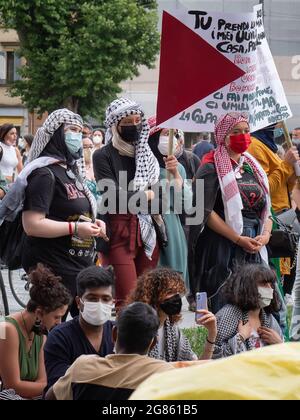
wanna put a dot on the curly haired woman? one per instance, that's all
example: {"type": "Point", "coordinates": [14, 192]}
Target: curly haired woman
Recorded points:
{"type": "Point", "coordinates": [163, 288]}
{"type": "Point", "coordinates": [22, 352]}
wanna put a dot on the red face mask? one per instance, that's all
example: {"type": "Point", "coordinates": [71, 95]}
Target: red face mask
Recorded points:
{"type": "Point", "coordinates": [239, 143]}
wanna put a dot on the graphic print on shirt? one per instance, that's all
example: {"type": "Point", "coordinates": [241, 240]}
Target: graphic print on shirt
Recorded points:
{"type": "Point", "coordinates": [72, 192]}
{"type": "Point", "coordinates": [252, 194]}
{"type": "Point", "coordinates": [81, 247]}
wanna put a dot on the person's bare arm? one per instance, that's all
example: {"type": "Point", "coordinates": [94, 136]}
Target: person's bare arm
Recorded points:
{"type": "Point", "coordinates": [10, 369]}
{"type": "Point", "coordinates": [20, 163]}
{"type": "Point", "coordinates": [36, 224]}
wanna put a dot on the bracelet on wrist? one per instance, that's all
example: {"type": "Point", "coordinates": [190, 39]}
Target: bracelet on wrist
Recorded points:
{"type": "Point", "coordinates": [70, 229]}
{"type": "Point", "coordinates": [76, 228]}
{"type": "Point", "coordinates": [210, 342]}
{"type": "Point", "coordinates": [237, 242]}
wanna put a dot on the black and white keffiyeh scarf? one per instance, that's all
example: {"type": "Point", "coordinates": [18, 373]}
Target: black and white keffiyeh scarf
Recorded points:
{"type": "Point", "coordinates": [52, 123]}
{"type": "Point", "coordinates": [44, 135]}
{"type": "Point", "coordinates": [176, 346]}
{"type": "Point", "coordinates": [147, 168]}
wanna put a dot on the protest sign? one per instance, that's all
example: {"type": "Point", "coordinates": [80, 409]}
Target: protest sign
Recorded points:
{"type": "Point", "coordinates": [215, 63]}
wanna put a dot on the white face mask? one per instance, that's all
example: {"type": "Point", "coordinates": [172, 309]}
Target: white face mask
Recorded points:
{"type": "Point", "coordinates": [265, 296]}
{"type": "Point", "coordinates": [97, 140]}
{"type": "Point", "coordinates": [96, 313]}
{"type": "Point", "coordinates": [163, 145]}
{"type": "Point", "coordinates": [22, 143]}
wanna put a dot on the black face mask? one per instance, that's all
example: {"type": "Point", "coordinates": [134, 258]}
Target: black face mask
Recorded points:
{"type": "Point", "coordinates": [172, 306]}
{"type": "Point", "coordinates": [130, 133]}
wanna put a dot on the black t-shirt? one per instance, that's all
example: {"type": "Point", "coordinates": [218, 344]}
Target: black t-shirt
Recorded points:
{"type": "Point", "coordinates": [67, 342]}
{"type": "Point", "coordinates": [252, 194]}
{"type": "Point", "coordinates": [63, 202]}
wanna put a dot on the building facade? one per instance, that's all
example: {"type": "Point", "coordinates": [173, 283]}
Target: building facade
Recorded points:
{"type": "Point", "coordinates": [12, 110]}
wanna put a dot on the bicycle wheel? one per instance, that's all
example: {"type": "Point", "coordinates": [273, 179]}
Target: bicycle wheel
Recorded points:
{"type": "Point", "coordinates": [4, 309]}
{"type": "Point", "coordinates": [19, 286]}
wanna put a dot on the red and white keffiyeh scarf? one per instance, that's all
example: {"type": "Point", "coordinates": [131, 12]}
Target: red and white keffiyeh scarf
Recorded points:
{"type": "Point", "coordinates": [232, 200]}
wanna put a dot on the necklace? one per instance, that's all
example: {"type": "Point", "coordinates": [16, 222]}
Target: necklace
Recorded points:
{"type": "Point", "coordinates": [25, 327]}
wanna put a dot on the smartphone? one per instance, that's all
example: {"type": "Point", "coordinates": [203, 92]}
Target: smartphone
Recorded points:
{"type": "Point", "coordinates": [201, 303]}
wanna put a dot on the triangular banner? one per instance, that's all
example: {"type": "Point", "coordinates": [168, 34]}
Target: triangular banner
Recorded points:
{"type": "Point", "coordinates": [190, 69]}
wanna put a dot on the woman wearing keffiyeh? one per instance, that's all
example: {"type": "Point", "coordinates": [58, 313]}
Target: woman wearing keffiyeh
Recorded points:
{"type": "Point", "coordinates": [56, 202]}
{"type": "Point", "coordinates": [236, 226]}
{"type": "Point", "coordinates": [128, 165]}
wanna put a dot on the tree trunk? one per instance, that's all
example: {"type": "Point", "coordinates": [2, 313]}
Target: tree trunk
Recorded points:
{"type": "Point", "coordinates": [72, 103]}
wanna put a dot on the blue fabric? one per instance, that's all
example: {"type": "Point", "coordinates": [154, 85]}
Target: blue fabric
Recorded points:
{"type": "Point", "coordinates": [176, 253]}
{"type": "Point", "coordinates": [67, 342]}
{"type": "Point", "coordinates": [266, 136]}
{"type": "Point", "coordinates": [202, 148]}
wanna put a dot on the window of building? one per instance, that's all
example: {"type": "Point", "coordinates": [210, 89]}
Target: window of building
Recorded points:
{"type": "Point", "coordinates": [10, 66]}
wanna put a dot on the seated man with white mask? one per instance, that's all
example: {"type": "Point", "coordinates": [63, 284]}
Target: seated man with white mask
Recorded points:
{"type": "Point", "coordinates": [90, 332]}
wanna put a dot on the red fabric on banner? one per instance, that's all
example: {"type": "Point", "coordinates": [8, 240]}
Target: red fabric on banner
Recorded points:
{"type": "Point", "coordinates": [190, 69]}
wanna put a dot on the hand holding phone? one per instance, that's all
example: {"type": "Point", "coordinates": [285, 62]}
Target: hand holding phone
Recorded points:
{"type": "Point", "coordinates": [201, 303]}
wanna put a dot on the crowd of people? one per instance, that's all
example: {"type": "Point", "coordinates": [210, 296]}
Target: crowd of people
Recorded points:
{"type": "Point", "coordinates": [105, 223]}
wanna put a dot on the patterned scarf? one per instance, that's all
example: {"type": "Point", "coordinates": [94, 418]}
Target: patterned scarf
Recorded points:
{"type": "Point", "coordinates": [176, 346]}
{"type": "Point", "coordinates": [228, 320]}
{"type": "Point", "coordinates": [147, 168]}
{"type": "Point", "coordinates": [43, 137]}
{"type": "Point", "coordinates": [230, 191]}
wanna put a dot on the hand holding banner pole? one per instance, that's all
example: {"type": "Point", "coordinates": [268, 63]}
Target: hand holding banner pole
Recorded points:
{"type": "Point", "coordinates": [290, 145]}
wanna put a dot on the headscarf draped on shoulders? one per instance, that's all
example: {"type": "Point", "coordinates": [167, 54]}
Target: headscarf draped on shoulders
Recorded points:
{"type": "Point", "coordinates": [229, 188]}
{"type": "Point", "coordinates": [147, 168]}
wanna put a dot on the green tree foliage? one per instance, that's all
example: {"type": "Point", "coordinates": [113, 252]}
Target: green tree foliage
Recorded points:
{"type": "Point", "coordinates": [77, 52]}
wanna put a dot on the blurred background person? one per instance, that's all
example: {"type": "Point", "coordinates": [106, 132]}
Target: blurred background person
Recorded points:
{"type": "Point", "coordinates": [98, 139]}
{"type": "Point", "coordinates": [3, 182]}
{"type": "Point", "coordinates": [11, 160]}
{"type": "Point", "coordinates": [280, 172]}
{"type": "Point", "coordinates": [203, 146]}
{"type": "Point", "coordinates": [24, 145]}
{"type": "Point", "coordinates": [296, 136]}
{"type": "Point", "coordinates": [87, 130]}
{"type": "Point", "coordinates": [88, 147]}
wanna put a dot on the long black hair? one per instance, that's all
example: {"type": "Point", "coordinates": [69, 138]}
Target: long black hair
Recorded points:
{"type": "Point", "coordinates": [4, 129]}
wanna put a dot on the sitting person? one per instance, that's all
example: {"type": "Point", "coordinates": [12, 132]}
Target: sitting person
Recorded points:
{"type": "Point", "coordinates": [162, 288]}
{"type": "Point", "coordinates": [90, 332]}
{"type": "Point", "coordinates": [22, 357]}
{"type": "Point", "coordinates": [116, 376]}
{"type": "Point", "coordinates": [247, 322]}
